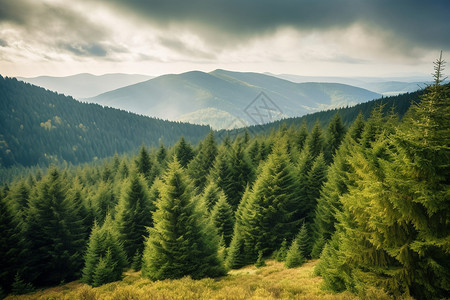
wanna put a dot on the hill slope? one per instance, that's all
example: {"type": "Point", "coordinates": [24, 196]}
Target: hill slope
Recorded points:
{"type": "Point", "coordinates": [85, 85]}
{"type": "Point", "coordinates": [181, 96]}
{"type": "Point", "coordinates": [40, 127]}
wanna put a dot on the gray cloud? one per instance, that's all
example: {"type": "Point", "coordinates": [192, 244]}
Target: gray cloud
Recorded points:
{"type": "Point", "coordinates": [56, 27]}
{"type": "Point", "coordinates": [3, 43]}
{"type": "Point", "coordinates": [414, 22]}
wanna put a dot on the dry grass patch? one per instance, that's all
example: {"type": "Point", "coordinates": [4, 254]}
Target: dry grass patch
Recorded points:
{"type": "Point", "coordinates": [270, 282]}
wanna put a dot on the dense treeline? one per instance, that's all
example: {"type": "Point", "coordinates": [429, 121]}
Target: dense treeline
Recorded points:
{"type": "Point", "coordinates": [40, 127]}
{"type": "Point", "coordinates": [370, 200]}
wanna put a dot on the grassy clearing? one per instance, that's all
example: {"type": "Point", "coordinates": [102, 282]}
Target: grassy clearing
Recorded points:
{"type": "Point", "coordinates": [270, 282]}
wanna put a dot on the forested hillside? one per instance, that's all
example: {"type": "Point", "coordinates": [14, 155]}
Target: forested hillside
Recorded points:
{"type": "Point", "coordinates": [370, 200]}
{"type": "Point", "coordinates": [42, 127]}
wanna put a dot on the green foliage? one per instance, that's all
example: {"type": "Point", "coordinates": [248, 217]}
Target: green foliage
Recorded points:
{"type": "Point", "coordinates": [211, 195]}
{"type": "Point", "coordinates": [266, 215]}
{"type": "Point", "coordinates": [260, 262]}
{"type": "Point", "coordinates": [43, 127]}
{"type": "Point", "coordinates": [335, 135]}
{"type": "Point", "coordinates": [281, 253]}
{"type": "Point", "coordinates": [222, 217]}
{"type": "Point", "coordinates": [184, 152]}
{"type": "Point", "coordinates": [105, 271]}
{"type": "Point", "coordinates": [9, 246]}
{"type": "Point", "coordinates": [20, 287]}
{"type": "Point", "coordinates": [315, 141]}
{"type": "Point", "coordinates": [180, 243]}
{"type": "Point", "coordinates": [53, 233]}
{"type": "Point", "coordinates": [294, 257]}
{"type": "Point", "coordinates": [203, 162]}
{"type": "Point", "coordinates": [104, 247]}
{"type": "Point", "coordinates": [134, 214]}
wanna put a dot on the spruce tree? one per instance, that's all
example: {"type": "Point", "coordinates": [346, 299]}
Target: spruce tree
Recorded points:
{"type": "Point", "coordinates": [180, 243]}
{"type": "Point", "coordinates": [315, 141]}
{"type": "Point", "coordinates": [144, 164]}
{"type": "Point", "coordinates": [281, 253]}
{"type": "Point", "coordinates": [210, 196]}
{"type": "Point", "coordinates": [294, 256]}
{"type": "Point", "coordinates": [314, 180]}
{"type": "Point", "coordinates": [401, 230]}
{"type": "Point", "coordinates": [302, 136]}
{"type": "Point", "coordinates": [133, 215]}
{"type": "Point", "coordinates": [267, 217]}
{"type": "Point", "coordinates": [335, 135]}
{"type": "Point", "coordinates": [222, 217]}
{"type": "Point", "coordinates": [9, 246]}
{"type": "Point", "coordinates": [184, 152]}
{"type": "Point", "coordinates": [203, 162]}
{"type": "Point", "coordinates": [53, 233]}
{"type": "Point", "coordinates": [105, 258]}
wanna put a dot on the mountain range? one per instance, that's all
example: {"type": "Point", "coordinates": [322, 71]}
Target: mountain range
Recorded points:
{"type": "Point", "coordinates": [226, 99]}
{"type": "Point", "coordinates": [85, 85]}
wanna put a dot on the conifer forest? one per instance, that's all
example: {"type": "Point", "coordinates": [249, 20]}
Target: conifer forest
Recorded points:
{"type": "Point", "coordinates": [366, 201]}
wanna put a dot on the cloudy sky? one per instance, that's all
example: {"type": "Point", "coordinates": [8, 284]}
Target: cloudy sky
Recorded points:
{"type": "Point", "coordinates": [305, 37]}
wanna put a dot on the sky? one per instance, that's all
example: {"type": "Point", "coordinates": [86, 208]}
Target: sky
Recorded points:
{"type": "Point", "coordinates": [375, 38]}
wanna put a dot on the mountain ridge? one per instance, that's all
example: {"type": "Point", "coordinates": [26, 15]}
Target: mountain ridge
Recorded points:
{"type": "Point", "coordinates": [176, 95]}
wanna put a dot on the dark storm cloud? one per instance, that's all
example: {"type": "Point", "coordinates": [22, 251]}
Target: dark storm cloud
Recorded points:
{"type": "Point", "coordinates": [58, 27]}
{"type": "Point", "coordinates": [416, 22]}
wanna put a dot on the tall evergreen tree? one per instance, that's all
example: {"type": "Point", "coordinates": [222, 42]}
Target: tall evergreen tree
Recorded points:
{"type": "Point", "coordinates": [105, 258]}
{"type": "Point", "coordinates": [315, 141]}
{"type": "Point", "coordinates": [10, 247]}
{"type": "Point", "coordinates": [210, 196]}
{"type": "Point", "coordinates": [335, 135]}
{"type": "Point", "coordinates": [315, 178]}
{"type": "Point", "coordinates": [203, 162]}
{"type": "Point", "coordinates": [144, 164]}
{"type": "Point", "coordinates": [267, 217]}
{"type": "Point", "coordinates": [184, 152]}
{"type": "Point", "coordinates": [54, 234]}
{"type": "Point", "coordinates": [302, 136]}
{"type": "Point", "coordinates": [400, 204]}
{"type": "Point", "coordinates": [180, 243]}
{"type": "Point", "coordinates": [134, 214]}
{"type": "Point", "coordinates": [222, 217]}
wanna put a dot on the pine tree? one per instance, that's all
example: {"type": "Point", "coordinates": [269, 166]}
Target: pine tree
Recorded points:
{"type": "Point", "coordinates": [134, 214]}
{"type": "Point", "coordinates": [203, 162]}
{"type": "Point", "coordinates": [241, 174]}
{"type": "Point", "coordinates": [184, 152]}
{"type": "Point", "coordinates": [302, 136]}
{"type": "Point", "coordinates": [315, 178]}
{"type": "Point", "coordinates": [104, 242]}
{"type": "Point", "coordinates": [210, 196]}
{"type": "Point", "coordinates": [144, 164]}
{"type": "Point", "coordinates": [335, 135]}
{"type": "Point", "coordinates": [9, 246]}
{"type": "Point", "coordinates": [401, 230]}
{"type": "Point", "coordinates": [161, 154]}
{"type": "Point", "coordinates": [260, 262]}
{"type": "Point", "coordinates": [266, 218]}
{"type": "Point", "coordinates": [53, 233]}
{"type": "Point", "coordinates": [294, 256]}
{"type": "Point", "coordinates": [281, 253]}
{"type": "Point", "coordinates": [334, 187]}
{"type": "Point", "coordinates": [105, 271]}
{"type": "Point", "coordinates": [315, 141]}
{"type": "Point", "coordinates": [180, 243]}
{"type": "Point", "coordinates": [222, 217]}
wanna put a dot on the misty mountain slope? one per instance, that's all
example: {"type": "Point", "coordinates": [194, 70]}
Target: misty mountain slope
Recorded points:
{"type": "Point", "coordinates": [38, 126]}
{"type": "Point", "coordinates": [86, 85]}
{"type": "Point", "coordinates": [179, 97]}
{"type": "Point", "coordinates": [389, 86]}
